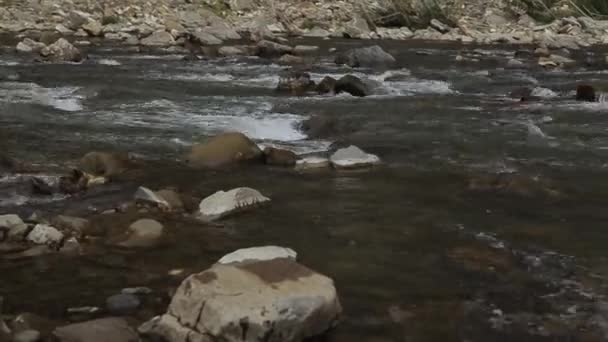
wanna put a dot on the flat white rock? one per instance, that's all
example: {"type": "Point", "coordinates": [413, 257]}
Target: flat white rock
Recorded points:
{"type": "Point", "coordinates": [258, 254]}
{"type": "Point", "coordinates": [353, 157]}
{"type": "Point", "coordinates": [43, 235]}
{"type": "Point", "coordinates": [311, 163]}
{"type": "Point", "coordinates": [224, 203]}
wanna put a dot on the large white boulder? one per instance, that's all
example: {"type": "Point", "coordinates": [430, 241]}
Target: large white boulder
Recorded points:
{"type": "Point", "coordinates": [224, 203]}
{"type": "Point", "coordinates": [353, 157]}
{"type": "Point", "coordinates": [275, 300]}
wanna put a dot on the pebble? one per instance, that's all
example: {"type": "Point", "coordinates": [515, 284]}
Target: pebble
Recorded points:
{"type": "Point", "coordinates": [27, 336]}
{"type": "Point", "coordinates": [122, 304]}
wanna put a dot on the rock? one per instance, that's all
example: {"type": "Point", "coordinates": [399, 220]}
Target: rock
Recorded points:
{"type": "Point", "coordinates": [317, 33]}
{"type": "Point", "coordinates": [352, 85]}
{"type": "Point", "coordinates": [268, 49]}
{"type": "Point", "coordinates": [372, 56]}
{"type": "Point", "coordinates": [223, 32]}
{"type": "Point", "coordinates": [75, 225]}
{"type": "Point", "coordinates": [30, 46]}
{"type": "Point", "coordinates": [439, 26]}
{"type": "Point", "coordinates": [122, 304]}
{"type": "Point", "coordinates": [258, 254]}
{"type": "Point", "coordinates": [140, 290]}
{"type": "Point", "coordinates": [172, 198]}
{"type": "Point", "coordinates": [76, 19]}
{"type": "Point", "coordinates": [41, 187]}
{"type": "Point", "coordinates": [158, 39]}
{"type": "Point", "coordinates": [241, 5]}
{"type": "Point", "coordinates": [278, 157]}
{"type": "Point", "coordinates": [100, 330]}
{"type": "Point", "coordinates": [542, 52]}
{"type": "Point", "coordinates": [353, 158]}
{"type": "Point", "coordinates": [104, 163]}
{"type": "Point", "coordinates": [27, 336]}
{"type": "Point", "coordinates": [205, 38]}
{"type": "Point", "coordinates": [586, 93]}
{"type": "Point", "coordinates": [312, 163]}
{"type": "Point", "coordinates": [304, 50]}
{"type": "Point", "coordinates": [275, 300]}
{"type": "Point", "coordinates": [45, 235]}
{"type": "Point", "coordinates": [323, 126]}
{"type": "Point", "coordinates": [229, 51]}
{"type": "Point", "coordinates": [61, 51]}
{"type": "Point", "coordinates": [76, 182]}
{"type": "Point", "coordinates": [295, 82]}
{"type": "Point", "coordinates": [71, 246]}
{"type": "Point", "coordinates": [327, 85]}
{"type": "Point", "coordinates": [93, 28]}
{"type": "Point", "coordinates": [291, 60]}
{"type": "Point", "coordinates": [143, 233]}
{"type": "Point", "coordinates": [357, 27]}
{"type": "Point", "coordinates": [222, 204]}
{"type": "Point", "coordinates": [224, 150]}
{"type": "Point", "coordinates": [10, 220]}
{"type": "Point", "coordinates": [147, 196]}
{"type": "Point", "coordinates": [12, 228]}
{"type": "Point", "coordinates": [61, 29]}
{"type": "Point", "coordinates": [515, 64]}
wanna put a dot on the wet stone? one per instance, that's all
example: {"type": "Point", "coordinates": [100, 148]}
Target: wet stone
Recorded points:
{"type": "Point", "coordinates": [122, 304]}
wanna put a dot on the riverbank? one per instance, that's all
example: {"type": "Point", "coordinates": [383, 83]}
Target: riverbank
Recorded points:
{"type": "Point", "coordinates": [168, 23]}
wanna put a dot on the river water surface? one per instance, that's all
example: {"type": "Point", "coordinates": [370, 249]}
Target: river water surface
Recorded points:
{"type": "Point", "coordinates": [432, 246]}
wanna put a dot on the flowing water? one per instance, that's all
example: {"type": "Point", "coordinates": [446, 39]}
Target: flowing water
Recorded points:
{"type": "Point", "coordinates": [419, 250]}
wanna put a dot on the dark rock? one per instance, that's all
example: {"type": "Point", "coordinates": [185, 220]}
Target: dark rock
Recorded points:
{"type": "Point", "coordinates": [278, 157]}
{"type": "Point", "coordinates": [373, 56]}
{"type": "Point", "coordinates": [585, 92]}
{"type": "Point", "coordinates": [75, 226]}
{"type": "Point", "coordinates": [122, 304]}
{"type": "Point", "coordinates": [295, 82]}
{"type": "Point", "coordinates": [74, 183]}
{"type": "Point", "coordinates": [224, 150]}
{"type": "Point", "coordinates": [327, 85]}
{"type": "Point", "coordinates": [41, 187]}
{"type": "Point", "coordinates": [326, 126]}
{"type": "Point", "coordinates": [269, 49]}
{"type": "Point", "coordinates": [352, 85]}
{"type": "Point", "coordinates": [100, 330]}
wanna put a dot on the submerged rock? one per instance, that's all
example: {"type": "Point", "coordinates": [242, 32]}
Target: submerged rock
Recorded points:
{"type": "Point", "coordinates": [353, 157]}
{"type": "Point", "coordinates": [352, 85]}
{"type": "Point", "coordinates": [61, 51]}
{"type": "Point", "coordinates": [99, 330]}
{"type": "Point", "coordinates": [258, 254]}
{"type": "Point", "coordinates": [143, 233]}
{"type": "Point", "coordinates": [122, 304]}
{"type": "Point", "coordinates": [222, 203]}
{"type": "Point", "coordinates": [373, 56]}
{"type": "Point", "coordinates": [224, 150]}
{"type": "Point", "coordinates": [45, 235]}
{"type": "Point", "coordinates": [278, 157]}
{"type": "Point", "coordinates": [275, 300]}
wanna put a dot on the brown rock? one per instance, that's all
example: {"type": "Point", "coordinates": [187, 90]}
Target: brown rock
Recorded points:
{"type": "Point", "coordinates": [104, 163]}
{"type": "Point", "coordinates": [278, 157]}
{"type": "Point", "coordinates": [172, 197]}
{"type": "Point", "coordinates": [224, 150]}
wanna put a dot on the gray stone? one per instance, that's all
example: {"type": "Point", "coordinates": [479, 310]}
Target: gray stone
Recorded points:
{"type": "Point", "coordinates": [93, 28]}
{"type": "Point", "coordinates": [100, 330]}
{"type": "Point", "coordinates": [515, 64]}
{"type": "Point", "coordinates": [158, 38]}
{"type": "Point", "coordinates": [75, 225]}
{"type": "Point", "coordinates": [61, 51]}
{"type": "Point", "coordinates": [223, 32]}
{"type": "Point", "coordinates": [143, 233]}
{"type": "Point", "coordinates": [63, 30]}
{"type": "Point", "coordinates": [241, 5]}
{"type": "Point", "coordinates": [357, 27]}
{"type": "Point", "coordinates": [10, 220]}
{"type": "Point", "coordinates": [206, 38]}
{"type": "Point", "coordinates": [140, 290]}
{"type": "Point", "coordinates": [27, 336]}
{"type": "Point", "coordinates": [45, 235]}
{"type": "Point", "coordinates": [439, 26]}
{"type": "Point", "coordinates": [317, 33]}
{"type": "Point", "coordinates": [229, 51]}
{"type": "Point", "coordinates": [29, 46]}
{"type": "Point", "coordinates": [312, 163]}
{"type": "Point", "coordinates": [122, 304]}
{"type": "Point", "coordinates": [269, 49]}
{"type": "Point", "coordinates": [258, 254]}
{"type": "Point", "coordinates": [302, 50]}
{"type": "Point", "coordinates": [353, 157]}
{"type": "Point", "coordinates": [373, 56]}
{"type": "Point", "coordinates": [222, 204]}
{"type": "Point", "coordinates": [291, 59]}
{"type": "Point", "coordinates": [147, 196]}
{"type": "Point", "coordinates": [275, 300]}
{"type": "Point", "coordinates": [76, 19]}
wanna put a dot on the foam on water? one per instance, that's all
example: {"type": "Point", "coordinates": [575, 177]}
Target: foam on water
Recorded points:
{"type": "Point", "coordinates": [62, 98]}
